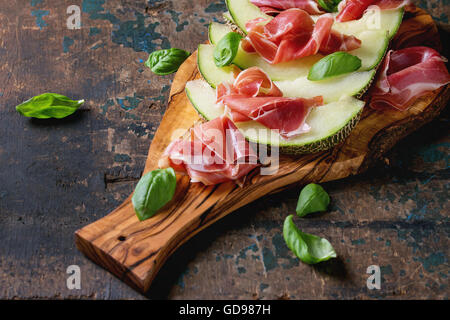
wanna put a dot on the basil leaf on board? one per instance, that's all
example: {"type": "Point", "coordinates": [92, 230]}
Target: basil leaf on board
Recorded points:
{"type": "Point", "coordinates": [166, 61]}
{"type": "Point", "coordinates": [329, 5]}
{"type": "Point", "coordinates": [308, 248]}
{"type": "Point", "coordinates": [313, 198]}
{"type": "Point", "coordinates": [153, 191]}
{"type": "Point", "coordinates": [333, 65]}
{"type": "Point", "coordinates": [227, 48]}
{"type": "Point", "coordinates": [49, 105]}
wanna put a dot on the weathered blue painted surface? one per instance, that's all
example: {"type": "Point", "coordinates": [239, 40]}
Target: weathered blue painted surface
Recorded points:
{"type": "Point", "coordinates": [76, 170]}
{"type": "Point", "coordinates": [40, 14]}
{"type": "Point", "coordinates": [67, 42]}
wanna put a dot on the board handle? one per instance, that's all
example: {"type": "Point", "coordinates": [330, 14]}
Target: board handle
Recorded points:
{"type": "Point", "coordinates": [135, 250]}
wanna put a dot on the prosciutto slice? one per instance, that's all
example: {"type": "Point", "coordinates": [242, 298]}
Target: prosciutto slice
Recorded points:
{"type": "Point", "coordinates": [287, 115]}
{"type": "Point", "coordinates": [216, 152]}
{"type": "Point", "coordinates": [252, 82]}
{"type": "Point", "coordinates": [276, 6]}
{"type": "Point", "coordinates": [292, 35]}
{"type": "Point", "coordinates": [406, 75]}
{"type": "Point", "coordinates": [354, 9]}
{"type": "Point", "coordinates": [253, 96]}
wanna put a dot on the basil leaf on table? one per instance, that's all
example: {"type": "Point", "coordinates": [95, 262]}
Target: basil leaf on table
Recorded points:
{"type": "Point", "coordinates": [48, 105]}
{"type": "Point", "coordinates": [313, 198]}
{"type": "Point", "coordinates": [166, 61]}
{"type": "Point", "coordinates": [308, 248]}
{"type": "Point", "coordinates": [227, 48]}
{"type": "Point", "coordinates": [153, 191]}
{"type": "Point", "coordinates": [329, 5]}
{"type": "Point", "coordinates": [333, 65]}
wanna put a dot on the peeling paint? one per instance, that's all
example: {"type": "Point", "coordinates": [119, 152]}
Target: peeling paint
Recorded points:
{"type": "Point", "coordinates": [243, 253]}
{"type": "Point", "coordinates": [129, 103]}
{"type": "Point", "coordinates": [67, 43]}
{"type": "Point", "coordinates": [216, 6]}
{"type": "Point", "coordinates": [269, 259]}
{"type": "Point", "coordinates": [40, 14]}
{"type": "Point", "coordinates": [263, 286]}
{"type": "Point", "coordinates": [34, 3]}
{"type": "Point", "coordinates": [358, 242]}
{"type": "Point", "coordinates": [283, 252]}
{"type": "Point", "coordinates": [94, 31]}
{"type": "Point", "coordinates": [176, 18]}
{"type": "Point", "coordinates": [122, 158]}
{"type": "Point", "coordinates": [135, 34]}
{"type": "Point", "coordinates": [433, 260]}
{"type": "Point", "coordinates": [241, 270]}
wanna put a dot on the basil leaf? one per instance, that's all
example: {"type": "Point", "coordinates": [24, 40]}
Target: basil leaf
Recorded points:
{"type": "Point", "coordinates": [308, 248]}
{"type": "Point", "coordinates": [153, 191]}
{"type": "Point", "coordinates": [166, 61]}
{"type": "Point", "coordinates": [48, 105]}
{"type": "Point", "coordinates": [227, 48]}
{"type": "Point", "coordinates": [333, 65]}
{"type": "Point", "coordinates": [313, 198]}
{"type": "Point", "coordinates": [329, 5]}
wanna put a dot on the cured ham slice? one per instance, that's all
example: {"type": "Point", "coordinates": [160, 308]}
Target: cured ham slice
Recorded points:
{"type": "Point", "coordinates": [252, 82]}
{"type": "Point", "coordinates": [216, 152]}
{"type": "Point", "coordinates": [354, 9]}
{"type": "Point", "coordinates": [292, 35]}
{"type": "Point", "coordinates": [275, 6]}
{"type": "Point", "coordinates": [270, 11]}
{"type": "Point", "coordinates": [339, 42]}
{"type": "Point", "coordinates": [287, 115]}
{"type": "Point", "coordinates": [406, 75]}
{"type": "Point", "coordinates": [253, 96]}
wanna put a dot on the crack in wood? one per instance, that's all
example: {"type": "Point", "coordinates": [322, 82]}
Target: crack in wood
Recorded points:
{"type": "Point", "coordinates": [111, 179]}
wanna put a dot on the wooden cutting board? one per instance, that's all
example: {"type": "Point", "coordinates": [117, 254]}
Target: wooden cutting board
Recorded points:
{"type": "Point", "coordinates": [134, 251]}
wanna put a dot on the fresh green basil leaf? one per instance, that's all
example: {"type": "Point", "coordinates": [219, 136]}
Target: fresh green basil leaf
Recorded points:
{"type": "Point", "coordinates": [48, 105]}
{"type": "Point", "coordinates": [166, 61]}
{"type": "Point", "coordinates": [329, 5]}
{"type": "Point", "coordinates": [333, 65]}
{"type": "Point", "coordinates": [313, 198]}
{"type": "Point", "coordinates": [153, 191]}
{"type": "Point", "coordinates": [308, 248]}
{"type": "Point", "coordinates": [227, 48]}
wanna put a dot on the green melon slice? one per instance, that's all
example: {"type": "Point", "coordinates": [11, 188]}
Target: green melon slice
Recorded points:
{"type": "Point", "coordinates": [241, 11]}
{"type": "Point", "coordinates": [385, 20]}
{"type": "Point", "coordinates": [208, 69]}
{"type": "Point", "coordinates": [373, 47]}
{"type": "Point", "coordinates": [330, 123]}
{"type": "Point", "coordinates": [352, 84]}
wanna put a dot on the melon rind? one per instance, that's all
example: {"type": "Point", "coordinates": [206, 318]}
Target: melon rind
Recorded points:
{"type": "Point", "coordinates": [371, 52]}
{"type": "Point", "coordinates": [241, 11]}
{"type": "Point", "coordinates": [352, 84]}
{"type": "Point", "coordinates": [327, 129]}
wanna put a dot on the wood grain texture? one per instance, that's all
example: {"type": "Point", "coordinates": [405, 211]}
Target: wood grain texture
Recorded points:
{"type": "Point", "coordinates": [135, 251]}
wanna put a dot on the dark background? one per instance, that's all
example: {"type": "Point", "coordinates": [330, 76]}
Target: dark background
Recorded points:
{"type": "Point", "coordinates": [59, 175]}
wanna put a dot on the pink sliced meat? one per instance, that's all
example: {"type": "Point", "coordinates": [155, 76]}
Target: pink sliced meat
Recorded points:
{"type": "Point", "coordinates": [216, 152]}
{"type": "Point", "coordinates": [253, 96]}
{"type": "Point", "coordinates": [275, 6]}
{"type": "Point", "coordinates": [251, 82]}
{"type": "Point", "coordinates": [287, 115]}
{"type": "Point", "coordinates": [292, 35]}
{"type": "Point", "coordinates": [354, 9]}
{"type": "Point", "coordinates": [406, 75]}
{"type": "Point", "coordinates": [339, 42]}
{"type": "Point", "coordinates": [295, 48]}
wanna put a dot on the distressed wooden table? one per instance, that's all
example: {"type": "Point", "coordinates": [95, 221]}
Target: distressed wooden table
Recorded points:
{"type": "Point", "coordinates": [57, 176]}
